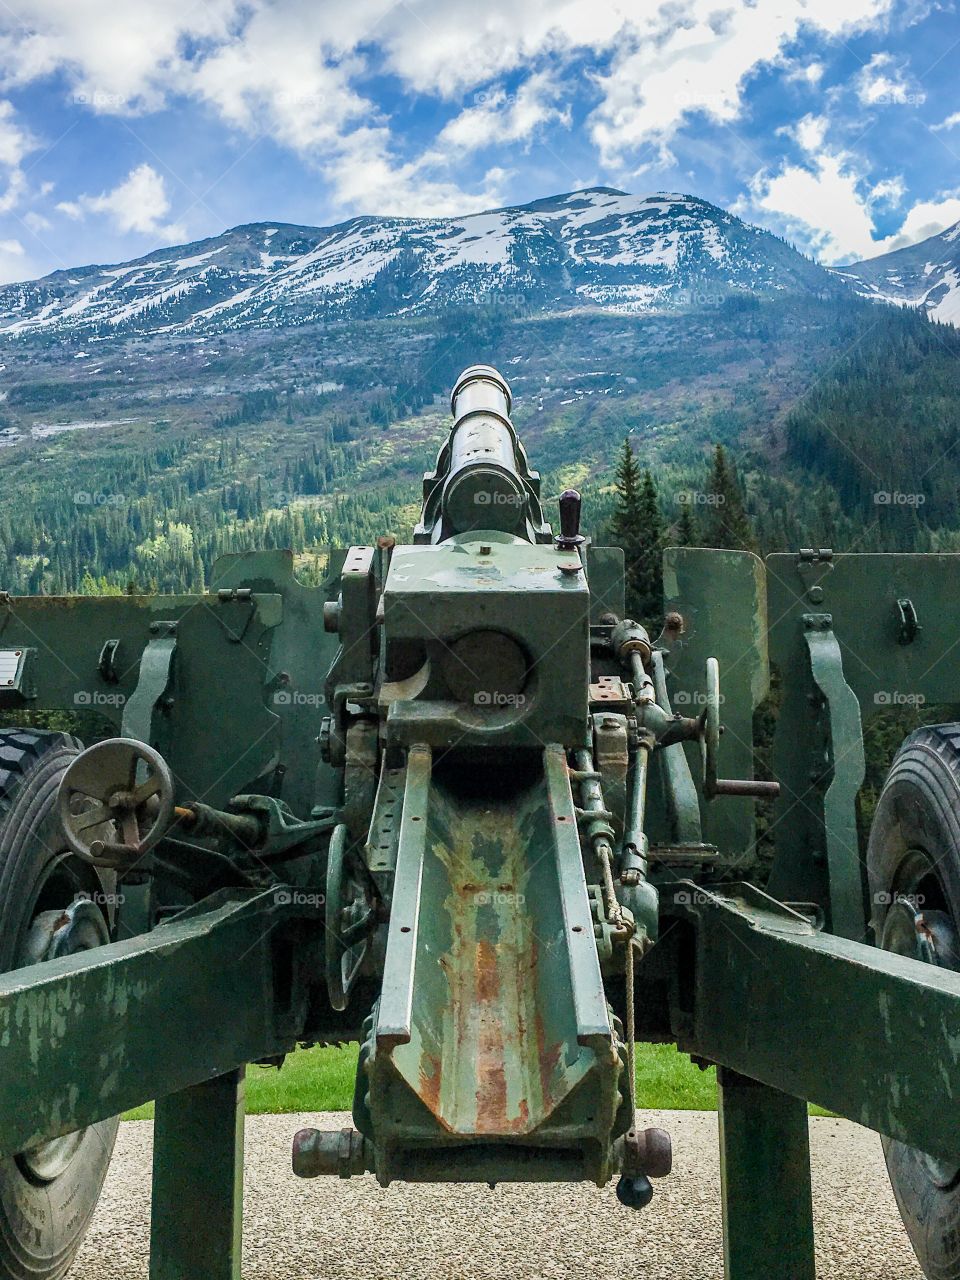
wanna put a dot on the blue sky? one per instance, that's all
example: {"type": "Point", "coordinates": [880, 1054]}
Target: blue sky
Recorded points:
{"type": "Point", "coordinates": [130, 124]}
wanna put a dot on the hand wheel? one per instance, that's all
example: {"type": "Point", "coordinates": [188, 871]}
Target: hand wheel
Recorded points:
{"type": "Point", "coordinates": [119, 781]}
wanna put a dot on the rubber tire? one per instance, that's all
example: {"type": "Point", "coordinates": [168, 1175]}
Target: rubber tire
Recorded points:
{"type": "Point", "coordinates": [42, 1225]}
{"type": "Point", "coordinates": [917, 818]}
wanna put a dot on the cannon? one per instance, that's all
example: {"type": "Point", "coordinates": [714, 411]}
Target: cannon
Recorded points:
{"type": "Point", "coordinates": [455, 805]}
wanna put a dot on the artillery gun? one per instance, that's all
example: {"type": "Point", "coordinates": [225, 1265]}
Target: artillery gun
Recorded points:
{"type": "Point", "coordinates": [456, 806]}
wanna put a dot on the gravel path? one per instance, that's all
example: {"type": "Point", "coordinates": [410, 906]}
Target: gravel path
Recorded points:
{"type": "Point", "coordinates": [296, 1230]}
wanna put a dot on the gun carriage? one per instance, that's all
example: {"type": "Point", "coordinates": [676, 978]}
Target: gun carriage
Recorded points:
{"type": "Point", "coordinates": [457, 806]}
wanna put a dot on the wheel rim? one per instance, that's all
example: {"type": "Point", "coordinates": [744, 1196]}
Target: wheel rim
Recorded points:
{"type": "Point", "coordinates": [930, 935]}
{"type": "Point", "coordinates": [53, 933]}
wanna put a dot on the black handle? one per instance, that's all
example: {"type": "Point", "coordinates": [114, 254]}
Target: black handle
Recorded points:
{"type": "Point", "coordinates": [569, 519]}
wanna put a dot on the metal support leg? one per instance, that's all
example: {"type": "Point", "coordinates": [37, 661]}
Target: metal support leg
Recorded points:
{"type": "Point", "coordinates": [198, 1182]}
{"type": "Point", "coordinates": [765, 1178]}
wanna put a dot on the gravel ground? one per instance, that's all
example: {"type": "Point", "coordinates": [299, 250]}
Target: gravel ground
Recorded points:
{"type": "Point", "coordinates": [296, 1230]}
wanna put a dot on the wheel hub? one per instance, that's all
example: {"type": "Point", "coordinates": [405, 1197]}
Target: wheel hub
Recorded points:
{"type": "Point", "coordinates": [931, 937]}
{"type": "Point", "coordinates": [78, 927]}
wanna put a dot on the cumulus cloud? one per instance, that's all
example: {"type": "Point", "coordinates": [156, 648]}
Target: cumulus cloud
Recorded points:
{"type": "Point", "coordinates": [695, 58]}
{"type": "Point", "coordinates": [830, 204]}
{"type": "Point", "coordinates": [823, 202]}
{"type": "Point", "coordinates": [809, 132]}
{"type": "Point", "coordinates": [926, 218]}
{"type": "Point", "coordinates": [951, 122]}
{"type": "Point", "coordinates": [299, 72]}
{"type": "Point", "coordinates": [138, 204]}
{"type": "Point", "coordinates": [13, 261]}
{"type": "Point", "coordinates": [499, 117]}
{"type": "Point", "coordinates": [884, 82]}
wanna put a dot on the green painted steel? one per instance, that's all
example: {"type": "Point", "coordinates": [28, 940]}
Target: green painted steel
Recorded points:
{"type": "Point", "coordinates": [98, 1032]}
{"type": "Point", "coordinates": [765, 1182]}
{"type": "Point", "coordinates": [196, 1212]}
{"type": "Point", "coordinates": [845, 763]}
{"type": "Point", "coordinates": [873, 1035]}
{"type": "Point", "coordinates": [453, 805]}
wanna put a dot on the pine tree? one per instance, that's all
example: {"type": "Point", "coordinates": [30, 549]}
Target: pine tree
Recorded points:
{"type": "Point", "coordinates": [726, 523]}
{"type": "Point", "coordinates": [683, 533]}
{"type": "Point", "coordinates": [637, 527]}
{"type": "Point", "coordinates": [626, 525]}
{"type": "Point", "coordinates": [648, 584]}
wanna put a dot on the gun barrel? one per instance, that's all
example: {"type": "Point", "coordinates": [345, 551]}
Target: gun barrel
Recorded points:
{"type": "Point", "coordinates": [484, 488]}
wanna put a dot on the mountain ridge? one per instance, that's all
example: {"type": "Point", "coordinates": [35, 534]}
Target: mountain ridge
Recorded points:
{"type": "Point", "coordinates": [595, 247]}
{"type": "Point", "coordinates": [925, 275]}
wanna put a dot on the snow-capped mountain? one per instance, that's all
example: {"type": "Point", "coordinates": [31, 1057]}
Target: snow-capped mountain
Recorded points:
{"type": "Point", "coordinates": [925, 275]}
{"type": "Point", "coordinates": [595, 248]}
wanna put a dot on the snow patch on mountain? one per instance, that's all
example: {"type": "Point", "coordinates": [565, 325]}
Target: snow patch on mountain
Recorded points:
{"type": "Point", "coordinates": [598, 247]}
{"type": "Point", "coordinates": [924, 275]}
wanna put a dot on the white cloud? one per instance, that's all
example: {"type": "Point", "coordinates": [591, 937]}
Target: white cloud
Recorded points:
{"type": "Point", "coordinates": [697, 59]}
{"type": "Point", "coordinates": [951, 122]}
{"type": "Point", "coordinates": [499, 117]}
{"type": "Point", "coordinates": [808, 132]}
{"type": "Point", "coordinates": [297, 71]}
{"type": "Point", "coordinates": [13, 261]}
{"type": "Point", "coordinates": [883, 82]}
{"type": "Point", "coordinates": [365, 175]}
{"type": "Point", "coordinates": [926, 218]}
{"type": "Point", "coordinates": [831, 207]}
{"type": "Point", "coordinates": [118, 56]}
{"type": "Point", "coordinates": [36, 222]}
{"type": "Point", "coordinates": [810, 73]}
{"type": "Point", "coordinates": [824, 202]}
{"type": "Point", "coordinates": [138, 204]}
{"type": "Point", "coordinates": [888, 191]}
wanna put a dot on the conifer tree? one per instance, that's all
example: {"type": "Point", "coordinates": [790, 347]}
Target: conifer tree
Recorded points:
{"type": "Point", "coordinates": [637, 527]}
{"type": "Point", "coordinates": [648, 584]}
{"type": "Point", "coordinates": [726, 523]}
